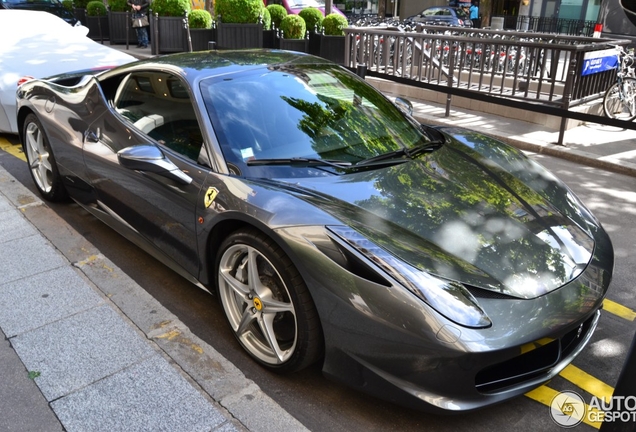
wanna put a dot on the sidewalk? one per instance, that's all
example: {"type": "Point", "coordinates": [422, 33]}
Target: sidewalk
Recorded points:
{"type": "Point", "coordinates": [86, 349]}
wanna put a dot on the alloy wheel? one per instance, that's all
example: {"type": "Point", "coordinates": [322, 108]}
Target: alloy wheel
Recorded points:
{"type": "Point", "coordinates": [257, 304]}
{"type": "Point", "coordinates": [38, 158]}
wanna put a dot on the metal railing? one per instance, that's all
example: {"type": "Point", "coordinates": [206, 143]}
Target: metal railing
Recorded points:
{"type": "Point", "coordinates": [534, 69]}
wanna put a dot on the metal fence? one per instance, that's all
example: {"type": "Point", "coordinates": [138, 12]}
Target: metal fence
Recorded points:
{"type": "Point", "coordinates": [533, 68]}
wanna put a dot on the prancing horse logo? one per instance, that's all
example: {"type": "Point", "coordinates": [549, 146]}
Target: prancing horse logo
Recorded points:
{"type": "Point", "coordinates": [210, 195]}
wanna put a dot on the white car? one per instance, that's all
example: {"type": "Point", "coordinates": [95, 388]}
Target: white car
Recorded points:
{"type": "Point", "coordinates": [39, 44]}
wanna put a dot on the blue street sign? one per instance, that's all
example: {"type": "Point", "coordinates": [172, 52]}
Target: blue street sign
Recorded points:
{"type": "Point", "coordinates": [599, 61]}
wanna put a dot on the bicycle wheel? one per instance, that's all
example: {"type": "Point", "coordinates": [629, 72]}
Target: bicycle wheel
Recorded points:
{"type": "Point", "coordinates": [619, 101]}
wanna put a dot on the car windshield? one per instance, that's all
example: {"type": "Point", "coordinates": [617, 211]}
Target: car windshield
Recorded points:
{"type": "Point", "coordinates": [305, 111]}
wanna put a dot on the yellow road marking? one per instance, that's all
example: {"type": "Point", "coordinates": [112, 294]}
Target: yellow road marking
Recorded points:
{"type": "Point", "coordinates": [169, 335]}
{"type": "Point", "coordinates": [619, 310]}
{"type": "Point", "coordinates": [545, 395]}
{"type": "Point", "coordinates": [587, 382]}
{"type": "Point", "coordinates": [12, 149]}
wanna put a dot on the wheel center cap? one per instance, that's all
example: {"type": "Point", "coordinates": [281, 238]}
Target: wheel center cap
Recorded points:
{"type": "Point", "coordinates": [258, 304]}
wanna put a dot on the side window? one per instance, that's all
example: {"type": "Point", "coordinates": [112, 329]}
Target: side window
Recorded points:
{"type": "Point", "coordinates": [431, 11]}
{"type": "Point", "coordinates": [158, 104]}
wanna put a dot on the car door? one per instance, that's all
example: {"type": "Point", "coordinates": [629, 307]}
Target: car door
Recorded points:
{"type": "Point", "coordinates": [146, 161]}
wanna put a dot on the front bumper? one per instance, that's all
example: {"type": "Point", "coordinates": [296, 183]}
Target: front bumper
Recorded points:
{"type": "Point", "coordinates": [491, 384]}
{"type": "Point", "coordinates": [384, 341]}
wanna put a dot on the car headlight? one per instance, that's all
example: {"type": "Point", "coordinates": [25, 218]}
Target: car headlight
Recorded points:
{"type": "Point", "coordinates": [449, 298]}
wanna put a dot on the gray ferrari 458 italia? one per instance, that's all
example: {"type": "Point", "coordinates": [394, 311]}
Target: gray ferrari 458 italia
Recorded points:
{"type": "Point", "coordinates": [434, 267]}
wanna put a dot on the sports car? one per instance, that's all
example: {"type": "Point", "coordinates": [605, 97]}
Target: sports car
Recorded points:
{"type": "Point", "coordinates": [434, 267]}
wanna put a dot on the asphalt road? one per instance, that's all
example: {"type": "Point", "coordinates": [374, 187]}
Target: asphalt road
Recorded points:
{"type": "Point", "coordinates": [322, 405]}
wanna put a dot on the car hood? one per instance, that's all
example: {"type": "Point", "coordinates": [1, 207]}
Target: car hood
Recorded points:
{"type": "Point", "coordinates": [473, 211]}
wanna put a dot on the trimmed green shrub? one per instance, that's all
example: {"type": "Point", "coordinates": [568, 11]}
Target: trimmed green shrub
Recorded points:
{"type": "Point", "coordinates": [293, 27]}
{"type": "Point", "coordinates": [80, 4]}
{"type": "Point", "coordinates": [313, 18]}
{"type": "Point", "coordinates": [267, 19]}
{"type": "Point", "coordinates": [239, 11]}
{"type": "Point", "coordinates": [95, 8]}
{"type": "Point", "coordinates": [199, 19]}
{"type": "Point", "coordinates": [171, 8]}
{"type": "Point", "coordinates": [334, 24]}
{"type": "Point", "coordinates": [68, 5]}
{"type": "Point", "coordinates": [118, 5]}
{"type": "Point", "coordinates": [277, 12]}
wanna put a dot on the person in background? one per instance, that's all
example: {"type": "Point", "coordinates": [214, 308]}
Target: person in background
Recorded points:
{"type": "Point", "coordinates": [140, 7]}
{"type": "Point", "coordinates": [474, 14]}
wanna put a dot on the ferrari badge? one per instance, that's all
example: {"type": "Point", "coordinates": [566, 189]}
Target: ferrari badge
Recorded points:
{"type": "Point", "coordinates": [210, 195]}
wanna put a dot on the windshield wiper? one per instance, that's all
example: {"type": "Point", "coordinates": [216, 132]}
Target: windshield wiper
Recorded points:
{"type": "Point", "coordinates": [408, 152]}
{"type": "Point", "coordinates": [299, 161]}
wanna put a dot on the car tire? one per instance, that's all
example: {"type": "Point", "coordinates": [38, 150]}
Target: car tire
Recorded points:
{"type": "Point", "coordinates": [272, 316]}
{"type": "Point", "coordinates": [41, 161]}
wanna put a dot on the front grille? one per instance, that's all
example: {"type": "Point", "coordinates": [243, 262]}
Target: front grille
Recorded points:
{"type": "Point", "coordinates": [531, 364]}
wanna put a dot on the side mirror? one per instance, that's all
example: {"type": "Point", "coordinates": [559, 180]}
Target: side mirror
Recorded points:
{"type": "Point", "coordinates": [147, 157]}
{"type": "Point", "coordinates": [404, 105]}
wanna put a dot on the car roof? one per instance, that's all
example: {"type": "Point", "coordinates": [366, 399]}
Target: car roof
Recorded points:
{"type": "Point", "coordinates": [444, 7]}
{"type": "Point", "coordinates": [17, 22]}
{"type": "Point", "coordinates": [33, 2]}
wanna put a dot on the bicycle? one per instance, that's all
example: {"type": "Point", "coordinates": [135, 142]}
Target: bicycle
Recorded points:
{"type": "Point", "coordinates": [619, 101]}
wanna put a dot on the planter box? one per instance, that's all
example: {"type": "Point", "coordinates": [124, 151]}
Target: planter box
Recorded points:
{"type": "Point", "coordinates": [237, 36]}
{"type": "Point", "coordinates": [98, 27]}
{"type": "Point", "coordinates": [314, 43]}
{"type": "Point", "coordinates": [118, 25]}
{"type": "Point", "coordinates": [333, 48]}
{"type": "Point", "coordinates": [269, 39]}
{"type": "Point", "coordinates": [80, 14]}
{"type": "Point", "coordinates": [201, 37]}
{"type": "Point", "coordinates": [300, 45]}
{"type": "Point", "coordinates": [172, 35]}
